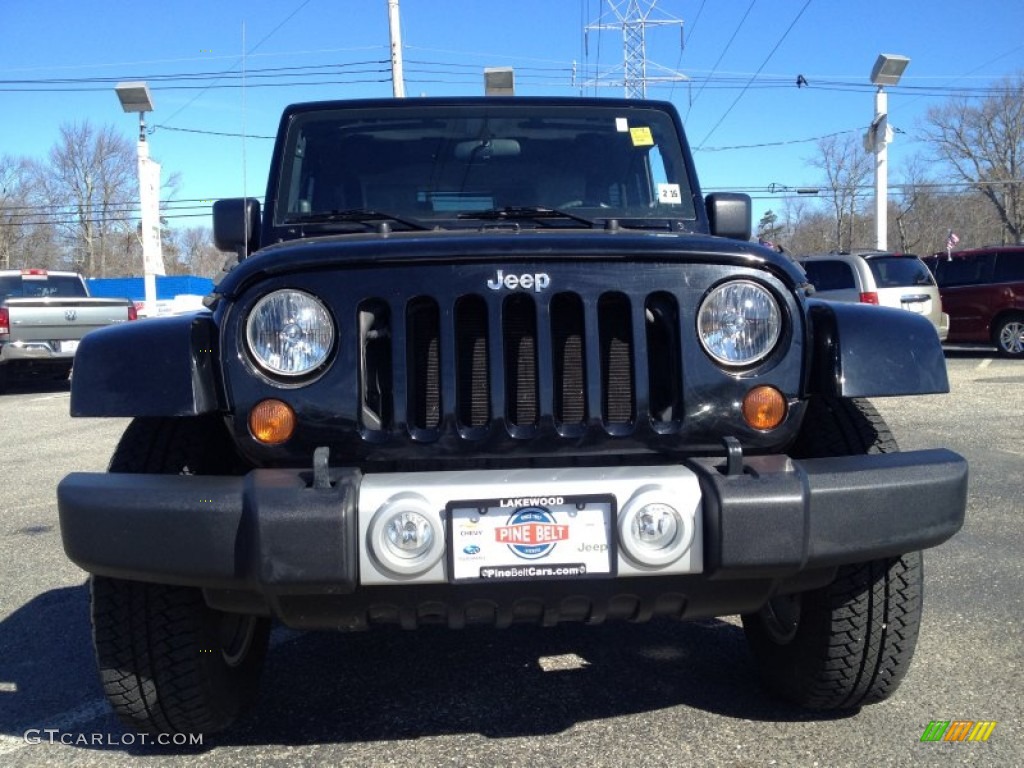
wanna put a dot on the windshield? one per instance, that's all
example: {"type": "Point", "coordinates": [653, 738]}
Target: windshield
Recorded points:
{"type": "Point", "coordinates": [440, 165]}
{"type": "Point", "coordinates": [41, 286]}
{"type": "Point", "coordinates": [899, 271]}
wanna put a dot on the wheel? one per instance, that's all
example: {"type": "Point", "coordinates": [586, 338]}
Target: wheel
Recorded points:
{"type": "Point", "coordinates": [1009, 336]}
{"type": "Point", "coordinates": [849, 643]}
{"type": "Point", "coordinates": [169, 663]}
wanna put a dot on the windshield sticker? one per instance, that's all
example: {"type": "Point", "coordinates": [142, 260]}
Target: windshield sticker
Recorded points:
{"type": "Point", "coordinates": [669, 194]}
{"type": "Point", "coordinates": [621, 124]}
{"type": "Point", "coordinates": [641, 136]}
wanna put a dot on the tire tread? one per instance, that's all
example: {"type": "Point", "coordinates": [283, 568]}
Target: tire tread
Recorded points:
{"type": "Point", "coordinates": [856, 637]}
{"type": "Point", "coordinates": [156, 645]}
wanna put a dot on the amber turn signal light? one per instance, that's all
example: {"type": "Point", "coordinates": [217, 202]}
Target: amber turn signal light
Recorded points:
{"type": "Point", "coordinates": [764, 408]}
{"type": "Point", "coordinates": [272, 421]}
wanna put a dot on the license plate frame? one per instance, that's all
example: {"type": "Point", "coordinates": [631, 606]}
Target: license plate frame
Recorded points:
{"type": "Point", "coordinates": [532, 539]}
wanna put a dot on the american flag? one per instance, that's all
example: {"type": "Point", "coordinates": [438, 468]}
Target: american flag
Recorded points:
{"type": "Point", "coordinates": [952, 240]}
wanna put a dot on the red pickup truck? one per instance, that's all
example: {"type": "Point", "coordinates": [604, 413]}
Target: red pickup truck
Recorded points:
{"type": "Point", "coordinates": [43, 316]}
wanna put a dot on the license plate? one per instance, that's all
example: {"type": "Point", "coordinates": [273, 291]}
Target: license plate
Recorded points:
{"type": "Point", "coordinates": [529, 539]}
{"type": "Point", "coordinates": [915, 306]}
{"type": "Point", "coordinates": [68, 346]}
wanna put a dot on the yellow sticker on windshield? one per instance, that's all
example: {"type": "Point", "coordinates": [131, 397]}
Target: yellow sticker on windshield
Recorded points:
{"type": "Point", "coordinates": [641, 136]}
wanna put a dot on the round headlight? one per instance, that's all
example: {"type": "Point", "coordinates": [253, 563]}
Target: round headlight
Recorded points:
{"type": "Point", "coordinates": [290, 333]}
{"type": "Point", "coordinates": [739, 322]}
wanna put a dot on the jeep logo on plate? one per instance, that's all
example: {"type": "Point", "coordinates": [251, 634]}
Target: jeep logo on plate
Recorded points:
{"type": "Point", "coordinates": [537, 281]}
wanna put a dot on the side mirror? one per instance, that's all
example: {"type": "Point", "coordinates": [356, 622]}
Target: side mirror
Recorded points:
{"type": "Point", "coordinates": [236, 225]}
{"type": "Point", "coordinates": [729, 215]}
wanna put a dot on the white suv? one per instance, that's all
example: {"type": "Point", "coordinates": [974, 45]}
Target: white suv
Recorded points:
{"type": "Point", "coordinates": [898, 280]}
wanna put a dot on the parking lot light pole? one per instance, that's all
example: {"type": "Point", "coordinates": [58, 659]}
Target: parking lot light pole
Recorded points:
{"type": "Point", "coordinates": [135, 97]}
{"type": "Point", "coordinates": [888, 70]}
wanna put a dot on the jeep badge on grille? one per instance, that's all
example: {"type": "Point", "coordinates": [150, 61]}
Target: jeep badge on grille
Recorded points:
{"type": "Point", "coordinates": [537, 281]}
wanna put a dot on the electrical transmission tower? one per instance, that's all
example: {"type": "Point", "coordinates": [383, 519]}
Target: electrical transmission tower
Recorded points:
{"type": "Point", "coordinates": [633, 17]}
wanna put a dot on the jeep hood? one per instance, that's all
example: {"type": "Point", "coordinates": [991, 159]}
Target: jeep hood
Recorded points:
{"type": "Point", "coordinates": [500, 246]}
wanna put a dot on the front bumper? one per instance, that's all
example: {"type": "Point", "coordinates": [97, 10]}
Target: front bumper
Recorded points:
{"type": "Point", "coordinates": [271, 542]}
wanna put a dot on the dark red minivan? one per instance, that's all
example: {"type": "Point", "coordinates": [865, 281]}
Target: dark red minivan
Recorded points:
{"type": "Point", "coordinates": [983, 293]}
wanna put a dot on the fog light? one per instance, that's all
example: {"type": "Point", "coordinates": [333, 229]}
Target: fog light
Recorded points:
{"type": "Point", "coordinates": [272, 421]}
{"type": "Point", "coordinates": [764, 408]}
{"type": "Point", "coordinates": [653, 532]}
{"type": "Point", "coordinates": [405, 537]}
{"type": "Point", "coordinates": [656, 525]}
{"type": "Point", "coordinates": [409, 534]}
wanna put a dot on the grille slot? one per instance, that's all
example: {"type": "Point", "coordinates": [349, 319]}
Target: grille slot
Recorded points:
{"type": "Point", "coordinates": [615, 329]}
{"type": "Point", "coordinates": [664, 366]}
{"type": "Point", "coordinates": [473, 387]}
{"type": "Point", "coordinates": [519, 342]}
{"type": "Point", "coordinates": [423, 358]}
{"type": "Point", "coordinates": [569, 358]}
{"type": "Point", "coordinates": [375, 374]}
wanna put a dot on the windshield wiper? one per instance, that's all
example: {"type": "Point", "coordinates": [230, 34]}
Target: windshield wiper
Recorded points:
{"type": "Point", "coordinates": [519, 212]}
{"type": "Point", "coordinates": [354, 215]}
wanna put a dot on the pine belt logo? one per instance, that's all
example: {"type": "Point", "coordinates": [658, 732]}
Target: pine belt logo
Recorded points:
{"type": "Point", "coordinates": [531, 533]}
{"type": "Point", "coordinates": [958, 730]}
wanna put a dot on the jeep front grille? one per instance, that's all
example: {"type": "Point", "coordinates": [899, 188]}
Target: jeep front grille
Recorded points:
{"type": "Point", "coordinates": [520, 362]}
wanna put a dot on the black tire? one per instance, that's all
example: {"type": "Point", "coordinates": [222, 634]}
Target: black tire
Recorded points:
{"type": "Point", "coordinates": [837, 426]}
{"type": "Point", "coordinates": [169, 663]}
{"type": "Point", "coordinates": [850, 643]}
{"type": "Point", "coordinates": [1008, 337]}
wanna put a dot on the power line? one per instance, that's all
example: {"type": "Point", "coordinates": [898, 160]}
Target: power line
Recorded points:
{"type": "Point", "coordinates": [458, 73]}
{"type": "Point", "coordinates": [76, 222]}
{"type": "Point", "coordinates": [686, 39]}
{"type": "Point", "coordinates": [215, 133]}
{"type": "Point", "coordinates": [214, 75]}
{"type": "Point", "coordinates": [807, 191]}
{"type": "Point", "coordinates": [777, 143]}
{"type": "Point", "coordinates": [722, 55]}
{"type": "Point", "coordinates": [191, 101]}
{"type": "Point", "coordinates": [752, 77]}
{"type": "Point", "coordinates": [105, 64]}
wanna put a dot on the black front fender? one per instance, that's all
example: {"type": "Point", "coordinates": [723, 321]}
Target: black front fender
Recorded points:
{"type": "Point", "coordinates": [868, 351]}
{"type": "Point", "coordinates": [161, 366]}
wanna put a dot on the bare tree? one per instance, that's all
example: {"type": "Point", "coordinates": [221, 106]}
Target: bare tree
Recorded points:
{"type": "Point", "coordinates": [13, 204]}
{"type": "Point", "coordinates": [197, 254]}
{"type": "Point", "coordinates": [92, 175]}
{"type": "Point", "coordinates": [27, 238]}
{"type": "Point", "coordinates": [809, 231]}
{"type": "Point", "coordinates": [912, 209]}
{"type": "Point", "coordinates": [984, 146]}
{"type": "Point", "coordinates": [846, 168]}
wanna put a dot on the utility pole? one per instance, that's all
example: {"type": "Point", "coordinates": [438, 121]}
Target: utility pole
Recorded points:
{"type": "Point", "coordinates": [397, 78]}
{"type": "Point", "coordinates": [633, 17]}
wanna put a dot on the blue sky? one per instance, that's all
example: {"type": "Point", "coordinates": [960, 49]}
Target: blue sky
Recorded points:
{"type": "Point", "coordinates": [447, 43]}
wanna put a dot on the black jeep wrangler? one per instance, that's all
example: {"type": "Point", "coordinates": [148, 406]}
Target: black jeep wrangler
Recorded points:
{"type": "Point", "coordinates": [485, 361]}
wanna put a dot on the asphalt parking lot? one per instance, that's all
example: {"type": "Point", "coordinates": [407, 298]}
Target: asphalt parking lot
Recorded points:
{"type": "Point", "coordinates": [660, 694]}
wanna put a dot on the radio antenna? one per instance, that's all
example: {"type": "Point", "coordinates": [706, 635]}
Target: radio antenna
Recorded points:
{"type": "Point", "coordinates": [245, 207]}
